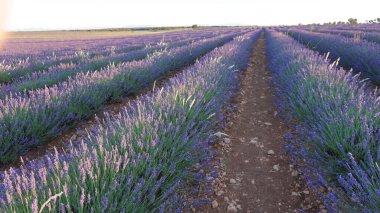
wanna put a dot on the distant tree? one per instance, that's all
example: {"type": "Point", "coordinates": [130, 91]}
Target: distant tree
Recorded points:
{"type": "Point", "coordinates": [194, 26]}
{"type": "Point", "coordinates": [378, 20]}
{"type": "Point", "coordinates": [352, 21]}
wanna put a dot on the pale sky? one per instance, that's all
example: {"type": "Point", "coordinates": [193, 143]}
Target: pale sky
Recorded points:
{"type": "Point", "coordinates": [75, 14]}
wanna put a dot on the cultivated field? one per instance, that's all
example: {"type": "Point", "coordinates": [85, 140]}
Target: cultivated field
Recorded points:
{"type": "Point", "coordinates": [88, 34]}
{"type": "Point", "coordinates": [211, 119]}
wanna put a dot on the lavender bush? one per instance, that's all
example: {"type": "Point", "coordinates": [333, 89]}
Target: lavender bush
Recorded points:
{"type": "Point", "coordinates": [139, 160]}
{"type": "Point", "coordinates": [26, 121]}
{"type": "Point", "coordinates": [62, 72]}
{"type": "Point", "coordinates": [29, 120]}
{"type": "Point", "coordinates": [369, 36]}
{"type": "Point", "coordinates": [338, 140]}
{"type": "Point", "coordinates": [355, 27]}
{"type": "Point", "coordinates": [362, 56]}
{"type": "Point", "coordinates": [46, 55]}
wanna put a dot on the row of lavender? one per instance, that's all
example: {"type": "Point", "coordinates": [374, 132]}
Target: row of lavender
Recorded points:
{"type": "Point", "coordinates": [369, 36]}
{"type": "Point", "coordinates": [351, 27]}
{"type": "Point", "coordinates": [140, 160]}
{"type": "Point", "coordinates": [362, 56]}
{"type": "Point", "coordinates": [14, 68]}
{"type": "Point", "coordinates": [338, 141]}
{"type": "Point", "coordinates": [20, 49]}
{"type": "Point", "coordinates": [61, 72]}
{"type": "Point", "coordinates": [72, 63]}
{"type": "Point", "coordinates": [26, 121]}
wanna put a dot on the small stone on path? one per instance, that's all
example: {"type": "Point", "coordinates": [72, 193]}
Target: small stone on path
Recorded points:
{"type": "Point", "coordinates": [294, 173]}
{"type": "Point", "coordinates": [220, 134]}
{"type": "Point", "coordinates": [227, 140]}
{"type": "Point", "coordinates": [214, 204]}
{"type": "Point", "coordinates": [231, 208]}
{"type": "Point", "coordinates": [253, 140]}
{"type": "Point", "coordinates": [295, 194]}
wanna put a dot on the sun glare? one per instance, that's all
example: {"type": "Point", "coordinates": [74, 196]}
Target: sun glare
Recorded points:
{"type": "Point", "coordinates": [3, 19]}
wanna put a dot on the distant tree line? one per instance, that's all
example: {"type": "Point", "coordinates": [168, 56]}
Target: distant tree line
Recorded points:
{"type": "Point", "coordinates": [373, 21]}
{"type": "Point", "coordinates": [350, 21]}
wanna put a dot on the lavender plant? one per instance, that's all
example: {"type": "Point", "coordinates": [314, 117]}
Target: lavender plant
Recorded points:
{"type": "Point", "coordinates": [362, 56]}
{"type": "Point", "coordinates": [369, 36]}
{"type": "Point", "coordinates": [62, 72]}
{"type": "Point", "coordinates": [358, 28]}
{"type": "Point", "coordinates": [141, 159]}
{"type": "Point", "coordinates": [26, 121]}
{"type": "Point", "coordinates": [41, 58]}
{"type": "Point", "coordinates": [338, 137]}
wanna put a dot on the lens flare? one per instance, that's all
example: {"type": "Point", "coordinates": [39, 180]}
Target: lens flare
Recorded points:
{"type": "Point", "coordinates": [4, 4]}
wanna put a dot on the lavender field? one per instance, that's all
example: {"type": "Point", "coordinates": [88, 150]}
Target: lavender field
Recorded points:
{"type": "Point", "coordinates": [154, 122]}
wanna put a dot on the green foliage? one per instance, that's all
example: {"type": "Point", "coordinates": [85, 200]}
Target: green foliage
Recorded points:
{"type": "Point", "coordinates": [4, 77]}
{"type": "Point", "coordinates": [352, 21]}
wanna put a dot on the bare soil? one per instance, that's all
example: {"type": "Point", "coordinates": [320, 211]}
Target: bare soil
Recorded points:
{"type": "Point", "coordinates": [257, 175]}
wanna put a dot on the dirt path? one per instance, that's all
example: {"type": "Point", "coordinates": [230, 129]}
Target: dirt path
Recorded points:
{"type": "Point", "coordinates": [258, 176]}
